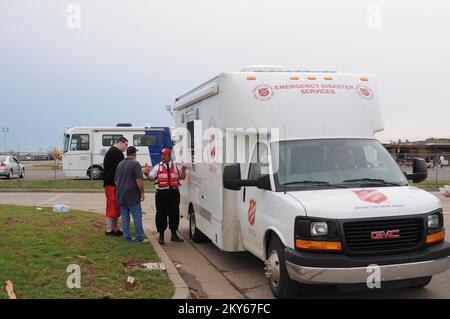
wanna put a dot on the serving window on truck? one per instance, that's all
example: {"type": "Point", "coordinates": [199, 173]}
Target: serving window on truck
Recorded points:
{"type": "Point", "coordinates": [79, 142]}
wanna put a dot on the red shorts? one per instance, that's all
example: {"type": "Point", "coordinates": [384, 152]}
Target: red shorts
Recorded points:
{"type": "Point", "coordinates": [112, 207]}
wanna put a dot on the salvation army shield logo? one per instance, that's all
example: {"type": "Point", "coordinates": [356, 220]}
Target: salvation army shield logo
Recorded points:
{"type": "Point", "coordinates": [263, 92]}
{"type": "Point", "coordinates": [371, 196]}
{"type": "Point", "coordinates": [252, 212]}
{"type": "Point", "coordinates": [364, 92]}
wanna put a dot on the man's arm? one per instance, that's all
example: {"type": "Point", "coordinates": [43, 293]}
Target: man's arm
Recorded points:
{"type": "Point", "coordinates": [152, 175]}
{"type": "Point", "coordinates": [140, 185]}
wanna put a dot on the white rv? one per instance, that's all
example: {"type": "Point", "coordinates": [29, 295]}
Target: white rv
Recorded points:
{"type": "Point", "coordinates": [85, 148]}
{"type": "Point", "coordinates": [320, 200]}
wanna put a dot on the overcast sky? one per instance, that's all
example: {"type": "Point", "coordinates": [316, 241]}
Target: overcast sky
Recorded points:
{"type": "Point", "coordinates": [130, 58]}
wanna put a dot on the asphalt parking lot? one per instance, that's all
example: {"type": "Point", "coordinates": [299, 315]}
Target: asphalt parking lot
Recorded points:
{"type": "Point", "coordinates": [215, 274]}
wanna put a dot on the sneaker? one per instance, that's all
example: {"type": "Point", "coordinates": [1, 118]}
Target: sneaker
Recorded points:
{"type": "Point", "coordinates": [145, 241]}
{"type": "Point", "coordinates": [109, 233]}
{"type": "Point", "coordinates": [176, 238]}
{"type": "Point", "coordinates": [117, 233]}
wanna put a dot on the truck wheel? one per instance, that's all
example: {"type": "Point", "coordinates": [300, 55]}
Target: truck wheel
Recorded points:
{"type": "Point", "coordinates": [280, 283]}
{"type": "Point", "coordinates": [95, 172]}
{"type": "Point", "coordinates": [10, 175]}
{"type": "Point", "coordinates": [22, 174]}
{"type": "Point", "coordinates": [194, 233]}
{"type": "Point", "coordinates": [422, 282]}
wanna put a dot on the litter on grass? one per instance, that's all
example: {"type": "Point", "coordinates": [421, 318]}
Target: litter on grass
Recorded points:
{"type": "Point", "coordinates": [61, 208]}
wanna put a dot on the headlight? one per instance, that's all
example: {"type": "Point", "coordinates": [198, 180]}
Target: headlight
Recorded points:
{"type": "Point", "coordinates": [433, 221]}
{"type": "Point", "coordinates": [318, 229]}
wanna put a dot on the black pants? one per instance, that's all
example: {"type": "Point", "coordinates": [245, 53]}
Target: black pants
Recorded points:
{"type": "Point", "coordinates": [167, 206]}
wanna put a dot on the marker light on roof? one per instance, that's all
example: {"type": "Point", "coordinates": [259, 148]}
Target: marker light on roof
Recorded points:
{"type": "Point", "coordinates": [328, 78]}
{"type": "Point", "coordinates": [294, 78]}
{"type": "Point", "coordinates": [311, 78]}
{"type": "Point", "coordinates": [364, 79]}
{"type": "Point", "coordinates": [251, 78]}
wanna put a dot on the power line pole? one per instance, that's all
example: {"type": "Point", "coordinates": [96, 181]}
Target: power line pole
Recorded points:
{"type": "Point", "coordinates": [5, 130]}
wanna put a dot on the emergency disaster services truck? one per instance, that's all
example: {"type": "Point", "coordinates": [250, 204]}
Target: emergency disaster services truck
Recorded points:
{"type": "Point", "coordinates": [85, 147]}
{"type": "Point", "coordinates": [316, 196]}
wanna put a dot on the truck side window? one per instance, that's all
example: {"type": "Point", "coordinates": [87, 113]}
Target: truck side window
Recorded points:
{"type": "Point", "coordinates": [259, 162]}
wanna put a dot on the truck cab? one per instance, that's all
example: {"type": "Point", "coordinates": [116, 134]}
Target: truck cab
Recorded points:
{"type": "Point", "coordinates": [321, 211]}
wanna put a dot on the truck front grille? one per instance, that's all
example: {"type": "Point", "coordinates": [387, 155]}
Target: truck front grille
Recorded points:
{"type": "Point", "coordinates": [359, 236]}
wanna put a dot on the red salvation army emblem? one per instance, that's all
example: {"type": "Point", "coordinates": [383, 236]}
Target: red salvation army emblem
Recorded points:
{"type": "Point", "coordinates": [364, 92]}
{"type": "Point", "coordinates": [263, 92]}
{"type": "Point", "coordinates": [252, 211]}
{"type": "Point", "coordinates": [371, 196]}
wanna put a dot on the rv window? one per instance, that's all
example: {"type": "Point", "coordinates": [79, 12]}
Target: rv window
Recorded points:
{"type": "Point", "coordinates": [110, 140]}
{"type": "Point", "coordinates": [259, 162]}
{"type": "Point", "coordinates": [66, 142]}
{"type": "Point", "coordinates": [144, 140]}
{"type": "Point", "coordinates": [79, 142]}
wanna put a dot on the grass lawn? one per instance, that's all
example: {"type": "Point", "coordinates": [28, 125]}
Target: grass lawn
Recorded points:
{"type": "Point", "coordinates": [37, 246]}
{"type": "Point", "coordinates": [431, 183]}
{"type": "Point", "coordinates": [57, 184]}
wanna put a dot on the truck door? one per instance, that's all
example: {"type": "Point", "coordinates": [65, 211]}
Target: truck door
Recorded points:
{"type": "Point", "coordinates": [252, 200]}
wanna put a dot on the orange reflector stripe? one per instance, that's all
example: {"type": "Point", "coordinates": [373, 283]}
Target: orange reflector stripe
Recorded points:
{"type": "Point", "coordinates": [318, 245]}
{"type": "Point", "coordinates": [364, 79]}
{"type": "Point", "coordinates": [440, 235]}
{"type": "Point", "coordinates": [311, 77]}
{"type": "Point", "coordinates": [251, 78]}
{"type": "Point", "coordinates": [328, 78]}
{"type": "Point", "coordinates": [294, 78]}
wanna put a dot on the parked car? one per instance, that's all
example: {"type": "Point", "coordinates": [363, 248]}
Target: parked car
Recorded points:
{"type": "Point", "coordinates": [11, 167]}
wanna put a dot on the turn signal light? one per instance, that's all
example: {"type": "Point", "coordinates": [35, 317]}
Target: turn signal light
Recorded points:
{"type": "Point", "coordinates": [318, 245]}
{"type": "Point", "coordinates": [251, 78]}
{"type": "Point", "coordinates": [436, 237]}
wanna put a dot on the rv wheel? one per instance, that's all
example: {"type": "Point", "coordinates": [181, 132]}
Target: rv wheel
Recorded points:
{"type": "Point", "coordinates": [194, 233]}
{"type": "Point", "coordinates": [95, 172]}
{"type": "Point", "coordinates": [280, 283]}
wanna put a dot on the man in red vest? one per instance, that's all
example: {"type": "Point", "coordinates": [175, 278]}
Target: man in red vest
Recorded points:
{"type": "Point", "coordinates": [167, 199]}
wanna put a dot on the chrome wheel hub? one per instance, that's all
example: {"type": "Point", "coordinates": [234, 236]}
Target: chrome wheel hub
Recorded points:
{"type": "Point", "coordinates": [273, 268]}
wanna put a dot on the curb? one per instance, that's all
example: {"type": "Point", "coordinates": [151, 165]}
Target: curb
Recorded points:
{"type": "Point", "coordinates": [55, 190]}
{"type": "Point", "coordinates": [181, 288]}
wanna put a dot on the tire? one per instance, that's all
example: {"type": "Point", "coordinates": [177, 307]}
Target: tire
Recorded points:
{"type": "Point", "coordinates": [194, 233]}
{"type": "Point", "coordinates": [96, 171]}
{"type": "Point", "coordinates": [22, 174]}
{"type": "Point", "coordinates": [280, 283]}
{"type": "Point", "coordinates": [422, 282]}
{"type": "Point", "coordinates": [10, 175]}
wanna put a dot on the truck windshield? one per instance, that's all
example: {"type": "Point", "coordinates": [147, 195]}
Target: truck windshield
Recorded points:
{"type": "Point", "coordinates": [340, 162]}
{"type": "Point", "coordinates": [66, 142]}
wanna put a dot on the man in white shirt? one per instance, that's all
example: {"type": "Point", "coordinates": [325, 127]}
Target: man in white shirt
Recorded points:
{"type": "Point", "coordinates": [167, 199]}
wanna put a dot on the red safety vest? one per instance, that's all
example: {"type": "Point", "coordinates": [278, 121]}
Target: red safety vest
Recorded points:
{"type": "Point", "coordinates": [168, 179]}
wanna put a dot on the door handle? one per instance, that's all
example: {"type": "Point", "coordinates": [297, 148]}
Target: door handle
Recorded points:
{"type": "Point", "coordinates": [243, 197]}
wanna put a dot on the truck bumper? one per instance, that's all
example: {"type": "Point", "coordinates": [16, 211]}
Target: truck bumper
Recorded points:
{"type": "Point", "coordinates": [328, 268]}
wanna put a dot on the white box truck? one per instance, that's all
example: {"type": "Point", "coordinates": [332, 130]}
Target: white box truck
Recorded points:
{"type": "Point", "coordinates": [321, 201]}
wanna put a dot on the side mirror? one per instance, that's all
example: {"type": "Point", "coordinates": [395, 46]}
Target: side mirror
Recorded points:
{"type": "Point", "coordinates": [264, 182]}
{"type": "Point", "coordinates": [232, 178]}
{"type": "Point", "coordinates": [420, 171]}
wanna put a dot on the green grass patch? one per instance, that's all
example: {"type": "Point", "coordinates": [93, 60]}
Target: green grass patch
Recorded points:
{"type": "Point", "coordinates": [57, 184]}
{"type": "Point", "coordinates": [432, 184]}
{"type": "Point", "coordinates": [36, 247]}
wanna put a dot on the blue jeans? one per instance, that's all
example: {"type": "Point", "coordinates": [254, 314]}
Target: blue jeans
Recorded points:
{"type": "Point", "coordinates": [136, 212]}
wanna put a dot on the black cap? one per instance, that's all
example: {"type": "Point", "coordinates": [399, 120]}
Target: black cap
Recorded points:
{"type": "Point", "coordinates": [131, 150]}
